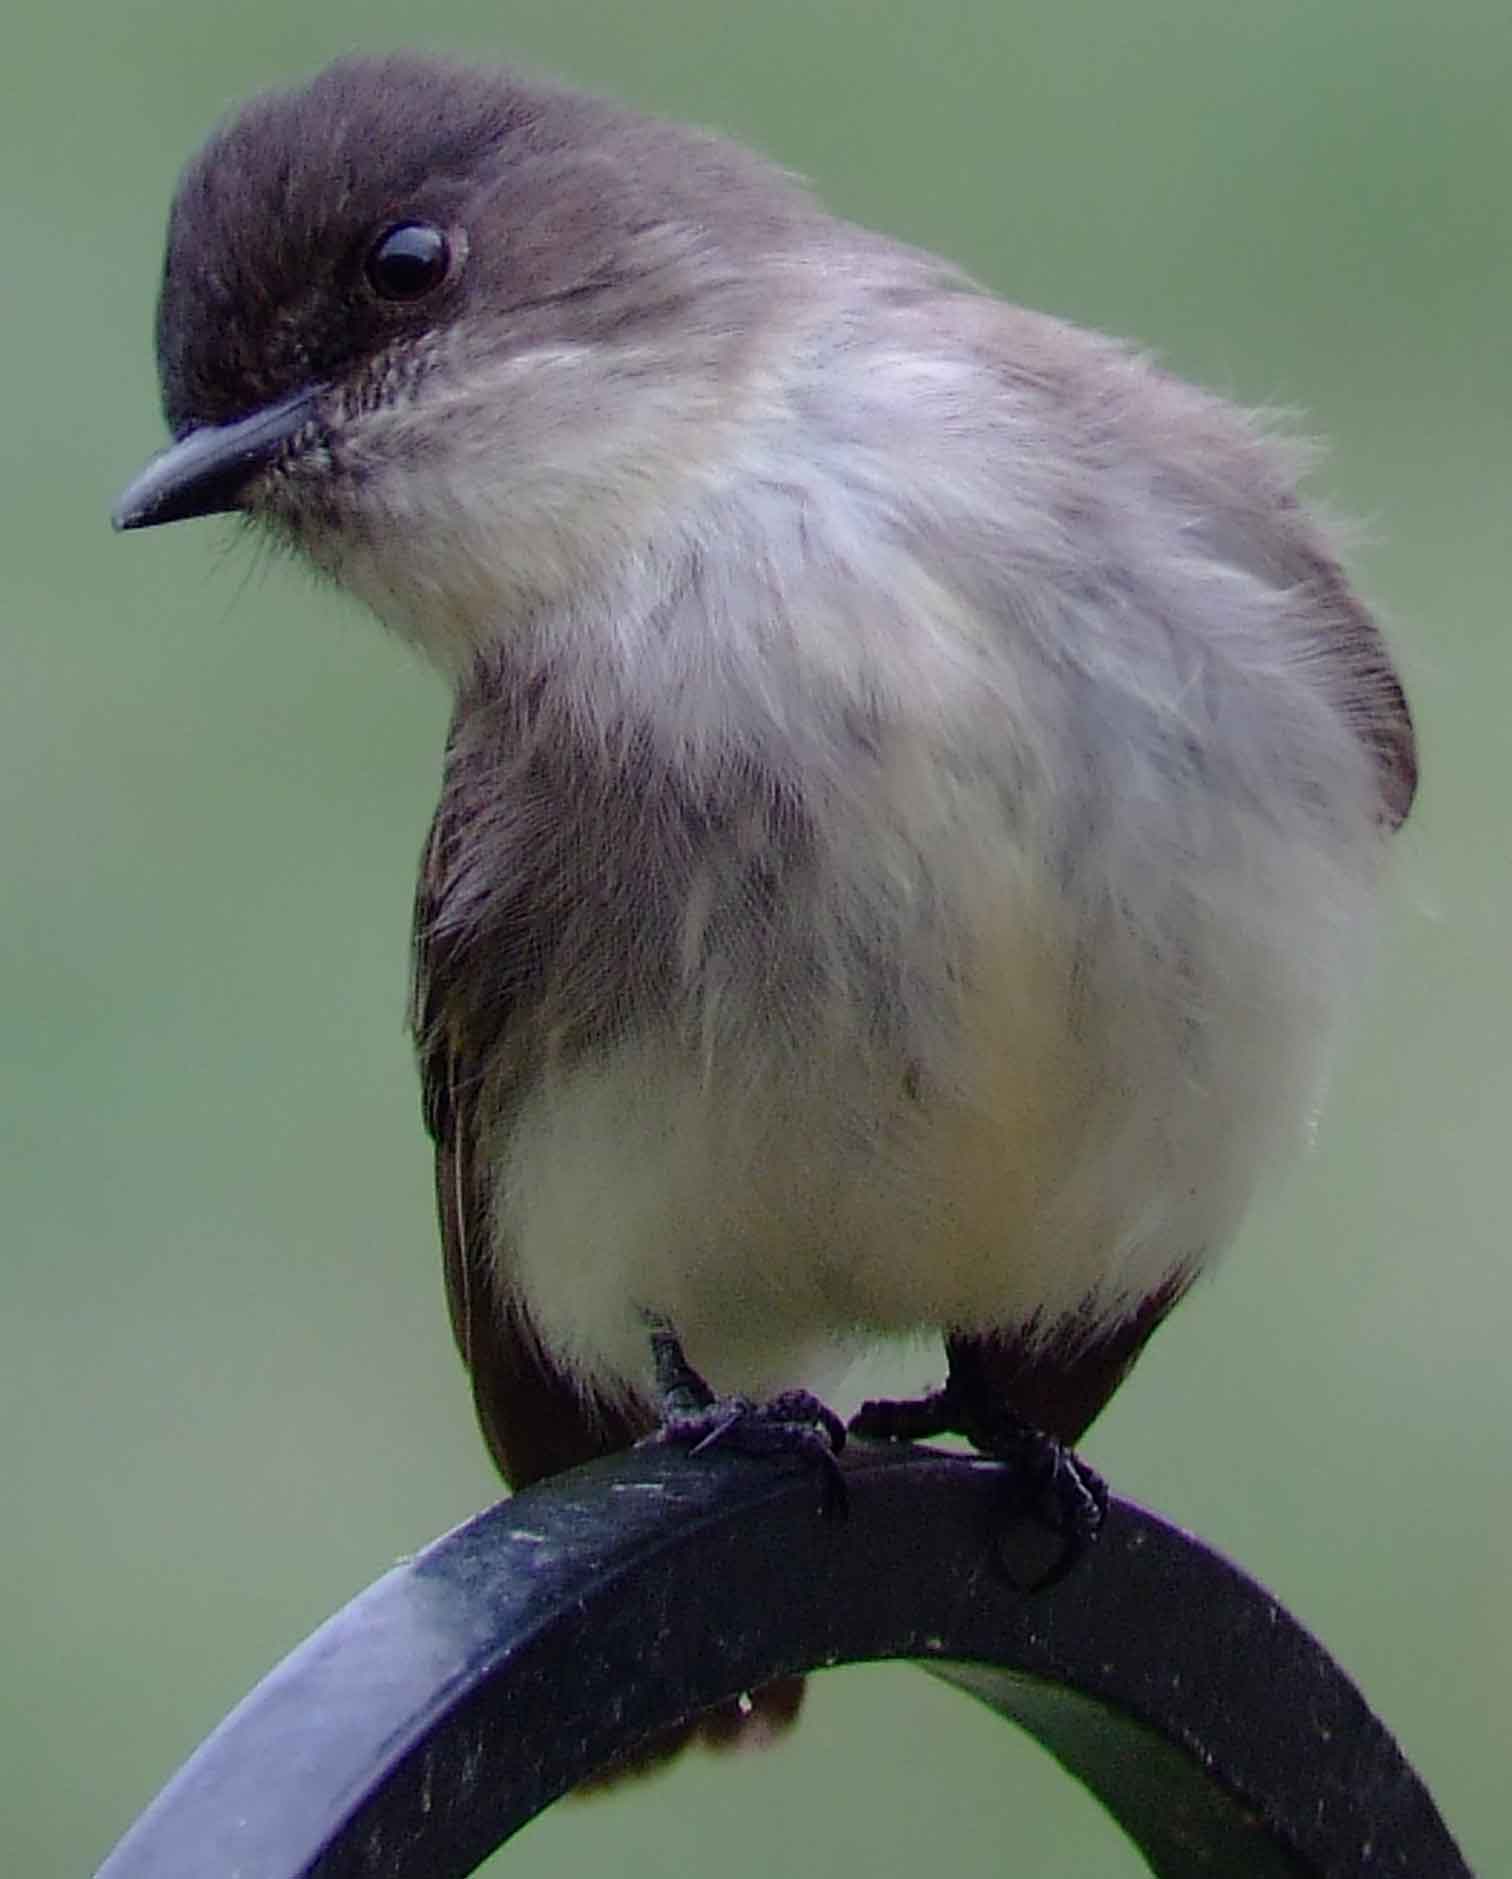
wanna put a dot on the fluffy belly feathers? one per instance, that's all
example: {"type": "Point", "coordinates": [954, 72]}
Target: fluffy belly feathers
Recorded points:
{"type": "Point", "coordinates": [1052, 1151]}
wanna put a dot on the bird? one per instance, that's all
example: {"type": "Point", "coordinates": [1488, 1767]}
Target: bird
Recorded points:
{"type": "Point", "coordinates": [920, 777]}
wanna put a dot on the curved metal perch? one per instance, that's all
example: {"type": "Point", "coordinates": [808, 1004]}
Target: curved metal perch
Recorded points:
{"type": "Point", "coordinates": [466, 1690]}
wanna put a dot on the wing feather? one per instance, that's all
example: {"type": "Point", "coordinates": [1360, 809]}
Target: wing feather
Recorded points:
{"type": "Point", "coordinates": [535, 1419]}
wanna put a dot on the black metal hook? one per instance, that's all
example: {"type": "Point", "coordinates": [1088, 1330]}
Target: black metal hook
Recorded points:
{"type": "Point", "coordinates": [467, 1689]}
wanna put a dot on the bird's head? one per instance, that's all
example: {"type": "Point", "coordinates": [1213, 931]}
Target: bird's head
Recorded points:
{"type": "Point", "coordinates": [449, 330]}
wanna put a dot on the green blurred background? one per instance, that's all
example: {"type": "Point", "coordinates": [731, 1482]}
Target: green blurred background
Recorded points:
{"type": "Point", "coordinates": [227, 1394]}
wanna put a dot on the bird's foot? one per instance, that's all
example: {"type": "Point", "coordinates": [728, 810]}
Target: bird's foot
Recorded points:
{"type": "Point", "coordinates": [1058, 1488]}
{"type": "Point", "coordinates": [793, 1423]}
{"type": "Point", "coordinates": [1050, 1482]}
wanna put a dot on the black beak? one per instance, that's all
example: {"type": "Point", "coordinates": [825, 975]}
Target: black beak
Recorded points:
{"type": "Point", "coordinates": [207, 472]}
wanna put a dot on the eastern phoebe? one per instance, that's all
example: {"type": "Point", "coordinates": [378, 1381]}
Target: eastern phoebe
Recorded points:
{"type": "Point", "coordinates": [919, 778]}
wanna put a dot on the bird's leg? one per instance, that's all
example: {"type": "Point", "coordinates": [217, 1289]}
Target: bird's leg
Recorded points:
{"type": "Point", "coordinates": [695, 1418]}
{"type": "Point", "coordinates": [1056, 1484]}
{"type": "Point", "coordinates": [682, 1391]}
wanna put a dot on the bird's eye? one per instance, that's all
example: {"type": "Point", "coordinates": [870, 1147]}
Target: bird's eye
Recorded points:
{"type": "Point", "coordinates": [408, 261]}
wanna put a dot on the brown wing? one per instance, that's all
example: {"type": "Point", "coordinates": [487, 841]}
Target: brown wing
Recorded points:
{"type": "Point", "coordinates": [470, 977]}
{"type": "Point", "coordinates": [535, 1420]}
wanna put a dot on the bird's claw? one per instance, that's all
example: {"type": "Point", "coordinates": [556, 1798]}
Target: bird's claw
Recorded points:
{"type": "Point", "coordinates": [794, 1423]}
{"type": "Point", "coordinates": [1049, 1482]}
